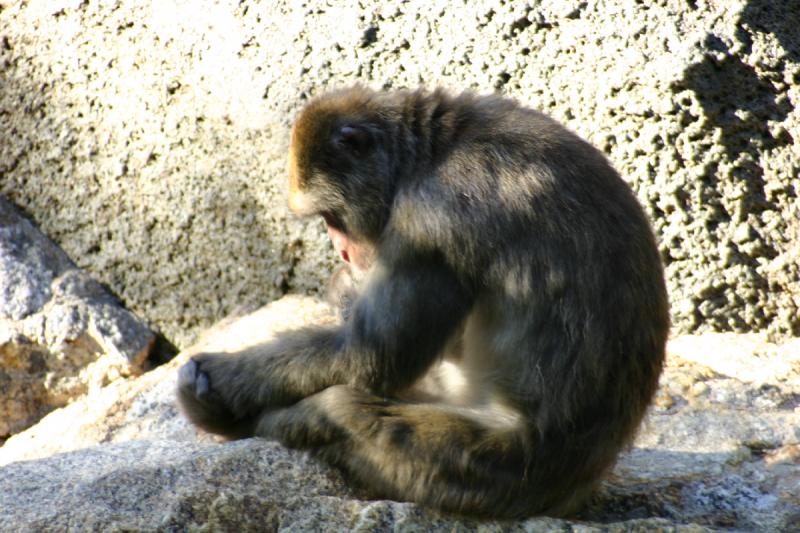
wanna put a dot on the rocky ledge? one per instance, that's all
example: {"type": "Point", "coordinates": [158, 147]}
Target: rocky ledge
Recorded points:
{"type": "Point", "coordinates": [719, 450]}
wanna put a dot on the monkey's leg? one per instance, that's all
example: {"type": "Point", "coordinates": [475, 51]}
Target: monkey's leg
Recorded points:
{"type": "Point", "coordinates": [395, 333]}
{"type": "Point", "coordinates": [224, 393]}
{"type": "Point", "coordinates": [432, 454]}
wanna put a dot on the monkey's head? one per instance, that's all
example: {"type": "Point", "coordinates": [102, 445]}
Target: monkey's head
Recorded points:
{"type": "Point", "coordinates": [341, 168]}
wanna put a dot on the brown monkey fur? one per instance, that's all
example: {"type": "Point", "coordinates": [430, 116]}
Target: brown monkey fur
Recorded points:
{"type": "Point", "coordinates": [509, 331]}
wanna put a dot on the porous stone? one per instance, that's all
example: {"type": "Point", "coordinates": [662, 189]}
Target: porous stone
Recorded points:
{"type": "Point", "coordinates": [61, 333]}
{"type": "Point", "coordinates": [149, 137]}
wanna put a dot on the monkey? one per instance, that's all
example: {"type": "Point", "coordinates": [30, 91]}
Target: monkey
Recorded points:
{"type": "Point", "coordinates": [507, 311]}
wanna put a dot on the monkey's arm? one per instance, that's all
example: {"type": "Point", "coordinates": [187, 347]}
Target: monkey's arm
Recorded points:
{"type": "Point", "coordinates": [397, 328]}
{"type": "Point", "coordinates": [401, 323]}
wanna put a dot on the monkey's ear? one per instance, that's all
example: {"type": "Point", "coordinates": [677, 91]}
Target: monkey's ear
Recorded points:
{"type": "Point", "coordinates": [353, 139]}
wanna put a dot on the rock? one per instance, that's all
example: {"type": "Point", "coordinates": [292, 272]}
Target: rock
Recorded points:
{"type": "Point", "coordinates": [170, 486]}
{"type": "Point", "coordinates": [149, 138]}
{"type": "Point", "coordinates": [720, 449]}
{"type": "Point", "coordinates": [250, 485]}
{"type": "Point", "coordinates": [61, 333]}
{"type": "Point", "coordinates": [144, 408]}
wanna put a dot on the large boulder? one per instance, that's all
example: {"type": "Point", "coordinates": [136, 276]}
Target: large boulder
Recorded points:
{"type": "Point", "coordinates": [148, 138]}
{"type": "Point", "coordinates": [720, 448]}
{"type": "Point", "coordinates": [61, 333]}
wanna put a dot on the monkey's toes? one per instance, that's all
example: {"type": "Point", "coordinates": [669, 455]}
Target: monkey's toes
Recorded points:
{"type": "Point", "coordinates": [191, 378]}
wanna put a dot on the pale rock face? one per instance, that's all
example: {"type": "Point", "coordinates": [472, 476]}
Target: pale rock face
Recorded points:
{"type": "Point", "coordinates": [149, 138]}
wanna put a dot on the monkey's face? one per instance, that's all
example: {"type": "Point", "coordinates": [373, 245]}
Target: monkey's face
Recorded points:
{"type": "Point", "coordinates": [358, 254]}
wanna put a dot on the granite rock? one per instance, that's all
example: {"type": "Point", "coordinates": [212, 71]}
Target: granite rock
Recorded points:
{"type": "Point", "coordinates": [720, 450]}
{"type": "Point", "coordinates": [62, 334]}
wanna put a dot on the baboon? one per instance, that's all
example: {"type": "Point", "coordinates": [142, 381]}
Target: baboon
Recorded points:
{"type": "Point", "coordinates": [506, 326]}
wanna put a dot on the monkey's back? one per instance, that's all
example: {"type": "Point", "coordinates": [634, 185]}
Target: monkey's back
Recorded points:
{"type": "Point", "coordinates": [567, 275]}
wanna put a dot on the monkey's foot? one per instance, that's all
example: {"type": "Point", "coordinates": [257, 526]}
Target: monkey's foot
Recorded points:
{"type": "Point", "coordinates": [204, 405]}
{"type": "Point", "coordinates": [192, 380]}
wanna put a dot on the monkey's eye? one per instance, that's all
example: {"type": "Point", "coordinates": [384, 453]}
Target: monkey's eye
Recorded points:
{"type": "Point", "coordinates": [352, 139]}
{"type": "Point", "coordinates": [333, 220]}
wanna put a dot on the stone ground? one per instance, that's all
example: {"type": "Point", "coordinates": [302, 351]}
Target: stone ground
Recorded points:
{"type": "Point", "coordinates": [720, 451]}
{"type": "Point", "coordinates": [62, 334]}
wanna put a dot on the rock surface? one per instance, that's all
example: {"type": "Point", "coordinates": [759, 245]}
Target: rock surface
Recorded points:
{"type": "Point", "coordinates": [149, 137]}
{"type": "Point", "coordinates": [61, 333]}
{"type": "Point", "coordinates": [249, 485]}
{"type": "Point", "coordinates": [145, 407]}
{"type": "Point", "coordinates": [720, 450]}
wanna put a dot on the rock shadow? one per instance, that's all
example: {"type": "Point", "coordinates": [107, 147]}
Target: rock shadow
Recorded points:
{"type": "Point", "coordinates": [740, 103]}
{"type": "Point", "coordinates": [688, 488]}
{"type": "Point", "coordinates": [778, 17]}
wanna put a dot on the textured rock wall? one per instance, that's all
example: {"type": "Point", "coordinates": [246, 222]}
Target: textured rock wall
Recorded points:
{"type": "Point", "coordinates": [148, 137]}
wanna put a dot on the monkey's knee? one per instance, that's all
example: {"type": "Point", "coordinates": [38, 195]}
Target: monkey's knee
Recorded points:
{"type": "Point", "coordinates": [316, 421]}
{"type": "Point", "coordinates": [338, 397]}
